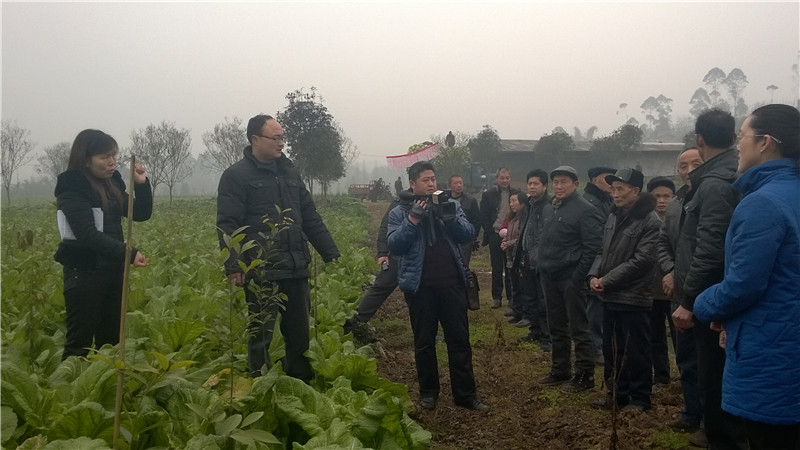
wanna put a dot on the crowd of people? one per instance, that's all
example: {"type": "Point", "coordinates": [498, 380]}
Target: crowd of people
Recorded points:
{"type": "Point", "coordinates": [599, 277]}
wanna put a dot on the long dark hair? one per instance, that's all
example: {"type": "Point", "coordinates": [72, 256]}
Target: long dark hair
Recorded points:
{"type": "Point", "coordinates": [87, 144]}
{"type": "Point", "coordinates": [522, 199]}
{"type": "Point", "coordinates": [782, 123]}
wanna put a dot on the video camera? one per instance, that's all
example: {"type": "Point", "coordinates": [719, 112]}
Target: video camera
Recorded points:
{"type": "Point", "coordinates": [438, 202]}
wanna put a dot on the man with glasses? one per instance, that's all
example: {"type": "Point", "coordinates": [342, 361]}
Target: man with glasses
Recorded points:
{"type": "Point", "coordinates": [258, 192]}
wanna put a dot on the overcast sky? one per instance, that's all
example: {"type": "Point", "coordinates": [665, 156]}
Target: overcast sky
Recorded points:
{"type": "Point", "coordinates": [391, 73]}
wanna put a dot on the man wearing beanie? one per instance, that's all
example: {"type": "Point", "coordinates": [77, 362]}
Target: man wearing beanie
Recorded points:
{"type": "Point", "coordinates": [622, 276]}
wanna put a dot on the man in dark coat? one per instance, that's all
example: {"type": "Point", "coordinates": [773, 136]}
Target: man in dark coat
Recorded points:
{"type": "Point", "coordinates": [699, 263]}
{"type": "Point", "coordinates": [494, 209]}
{"type": "Point", "coordinates": [570, 240]}
{"type": "Point", "coordinates": [598, 193]}
{"type": "Point", "coordinates": [250, 194]}
{"type": "Point", "coordinates": [531, 308]}
{"type": "Point", "coordinates": [685, 352]}
{"type": "Point", "coordinates": [622, 275]}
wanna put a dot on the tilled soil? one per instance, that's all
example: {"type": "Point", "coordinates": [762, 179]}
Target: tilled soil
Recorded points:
{"type": "Point", "coordinates": [524, 414]}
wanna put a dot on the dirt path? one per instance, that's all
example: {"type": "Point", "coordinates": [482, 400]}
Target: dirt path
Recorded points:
{"type": "Point", "coordinates": [524, 415]}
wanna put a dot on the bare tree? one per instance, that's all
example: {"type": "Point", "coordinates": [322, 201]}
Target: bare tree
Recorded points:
{"type": "Point", "coordinates": [16, 149]}
{"type": "Point", "coordinates": [224, 145]}
{"type": "Point", "coordinates": [54, 160]}
{"type": "Point", "coordinates": [164, 150]}
{"type": "Point", "coordinates": [349, 150]}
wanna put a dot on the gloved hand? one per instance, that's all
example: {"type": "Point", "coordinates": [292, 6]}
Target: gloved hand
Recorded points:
{"type": "Point", "coordinates": [475, 245]}
{"type": "Point", "coordinates": [419, 211]}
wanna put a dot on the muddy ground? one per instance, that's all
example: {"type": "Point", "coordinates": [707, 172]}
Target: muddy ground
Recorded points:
{"type": "Point", "coordinates": [523, 415]}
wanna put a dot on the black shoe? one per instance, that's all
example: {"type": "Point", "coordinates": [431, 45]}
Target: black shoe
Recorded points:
{"type": "Point", "coordinates": [475, 405]}
{"type": "Point", "coordinates": [606, 403]}
{"type": "Point", "coordinates": [529, 338]}
{"type": "Point", "coordinates": [513, 319]}
{"type": "Point", "coordinates": [680, 425]}
{"type": "Point", "coordinates": [552, 379]}
{"type": "Point", "coordinates": [496, 303]}
{"type": "Point", "coordinates": [523, 323]}
{"type": "Point", "coordinates": [546, 346]}
{"type": "Point", "coordinates": [635, 407]}
{"type": "Point", "coordinates": [583, 381]}
{"type": "Point", "coordinates": [428, 403]}
{"type": "Point", "coordinates": [509, 313]}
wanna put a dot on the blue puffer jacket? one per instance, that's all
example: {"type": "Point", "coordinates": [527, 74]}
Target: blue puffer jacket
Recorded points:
{"type": "Point", "coordinates": [407, 241]}
{"type": "Point", "coordinates": [759, 298]}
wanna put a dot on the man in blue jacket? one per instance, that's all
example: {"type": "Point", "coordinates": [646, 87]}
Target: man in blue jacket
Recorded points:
{"type": "Point", "coordinates": [425, 237]}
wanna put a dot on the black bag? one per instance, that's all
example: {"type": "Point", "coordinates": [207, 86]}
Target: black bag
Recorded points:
{"type": "Point", "coordinates": [473, 299]}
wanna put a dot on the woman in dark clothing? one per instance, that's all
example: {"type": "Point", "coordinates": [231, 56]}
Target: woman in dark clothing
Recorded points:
{"type": "Point", "coordinates": [91, 202]}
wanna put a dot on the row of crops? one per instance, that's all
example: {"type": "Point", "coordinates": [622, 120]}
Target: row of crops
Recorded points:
{"type": "Point", "coordinates": [185, 373]}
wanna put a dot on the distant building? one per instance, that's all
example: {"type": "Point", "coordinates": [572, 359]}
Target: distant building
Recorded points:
{"type": "Point", "coordinates": [656, 158]}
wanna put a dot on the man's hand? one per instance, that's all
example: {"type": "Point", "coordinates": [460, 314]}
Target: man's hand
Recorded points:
{"type": "Point", "coordinates": [139, 260]}
{"type": "Point", "coordinates": [596, 285]}
{"type": "Point", "coordinates": [668, 284]}
{"type": "Point", "coordinates": [236, 278]}
{"type": "Point", "coordinates": [476, 245]}
{"type": "Point", "coordinates": [682, 318]}
{"type": "Point", "coordinates": [139, 174]}
{"type": "Point", "coordinates": [383, 259]}
{"type": "Point", "coordinates": [418, 212]}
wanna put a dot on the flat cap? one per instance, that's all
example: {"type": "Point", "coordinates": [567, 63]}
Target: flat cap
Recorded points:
{"type": "Point", "coordinates": [660, 181]}
{"type": "Point", "coordinates": [596, 171]}
{"type": "Point", "coordinates": [565, 170]}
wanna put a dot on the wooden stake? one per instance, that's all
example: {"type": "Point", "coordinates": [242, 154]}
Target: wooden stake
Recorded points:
{"type": "Point", "coordinates": [124, 309]}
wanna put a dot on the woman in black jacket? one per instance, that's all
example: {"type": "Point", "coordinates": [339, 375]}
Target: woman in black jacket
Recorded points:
{"type": "Point", "coordinates": [91, 202]}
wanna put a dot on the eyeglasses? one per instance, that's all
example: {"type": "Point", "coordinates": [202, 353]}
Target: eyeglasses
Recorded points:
{"type": "Point", "coordinates": [740, 137]}
{"type": "Point", "coordinates": [276, 138]}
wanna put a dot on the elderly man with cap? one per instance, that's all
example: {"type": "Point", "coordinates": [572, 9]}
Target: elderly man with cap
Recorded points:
{"type": "Point", "coordinates": [663, 190]}
{"type": "Point", "coordinates": [622, 275]}
{"type": "Point", "coordinates": [598, 193]}
{"type": "Point", "coordinates": [570, 240]}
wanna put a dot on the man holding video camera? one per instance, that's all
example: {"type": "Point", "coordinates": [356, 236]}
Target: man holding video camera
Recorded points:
{"type": "Point", "coordinates": [425, 231]}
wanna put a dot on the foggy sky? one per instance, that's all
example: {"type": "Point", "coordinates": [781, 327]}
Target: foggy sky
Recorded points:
{"type": "Point", "coordinates": [391, 73]}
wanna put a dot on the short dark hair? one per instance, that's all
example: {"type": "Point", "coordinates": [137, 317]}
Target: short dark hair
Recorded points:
{"type": "Point", "coordinates": [687, 149]}
{"type": "Point", "coordinates": [502, 169]}
{"type": "Point", "coordinates": [782, 123]}
{"type": "Point", "coordinates": [450, 180]}
{"type": "Point", "coordinates": [538, 173]}
{"type": "Point", "coordinates": [717, 127]}
{"type": "Point", "coordinates": [417, 168]}
{"type": "Point", "coordinates": [255, 124]}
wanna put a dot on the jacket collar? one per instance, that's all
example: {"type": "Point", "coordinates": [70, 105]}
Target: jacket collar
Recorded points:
{"type": "Point", "coordinates": [592, 189]}
{"type": "Point", "coordinates": [755, 177]}
{"type": "Point", "coordinates": [722, 166]}
{"type": "Point", "coordinates": [280, 164]}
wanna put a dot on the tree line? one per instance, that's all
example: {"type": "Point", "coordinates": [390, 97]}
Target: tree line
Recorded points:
{"type": "Point", "coordinates": [316, 143]}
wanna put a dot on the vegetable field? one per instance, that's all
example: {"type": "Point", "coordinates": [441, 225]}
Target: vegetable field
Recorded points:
{"type": "Point", "coordinates": [185, 366]}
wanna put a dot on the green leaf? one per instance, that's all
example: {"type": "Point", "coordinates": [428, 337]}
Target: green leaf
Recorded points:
{"type": "Point", "coordinates": [181, 332]}
{"type": "Point", "coordinates": [85, 419]}
{"type": "Point", "coordinates": [81, 443]}
{"type": "Point", "coordinates": [261, 436]}
{"type": "Point", "coordinates": [303, 405]}
{"type": "Point", "coordinates": [225, 427]}
{"type": "Point", "coordinates": [8, 423]}
{"type": "Point", "coordinates": [162, 360]}
{"type": "Point", "coordinates": [251, 418]}
{"type": "Point", "coordinates": [199, 410]}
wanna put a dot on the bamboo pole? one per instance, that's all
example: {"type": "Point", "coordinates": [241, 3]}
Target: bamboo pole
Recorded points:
{"type": "Point", "coordinates": [124, 309]}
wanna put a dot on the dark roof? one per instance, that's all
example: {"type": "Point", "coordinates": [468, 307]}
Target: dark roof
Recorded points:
{"type": "Point", "coordinates": [527, 145]}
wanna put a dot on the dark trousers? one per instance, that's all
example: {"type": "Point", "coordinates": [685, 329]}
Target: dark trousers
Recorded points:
{"type": "Point", "coordinates": [566, 315]}
{"type": "Point", "coordinates": [93, 300]}
{"type": "Point", "coordinates": [529, 304]}
{"type": "Point", "coordinates": [466, 253]}
{"type": "Point", "coordinates": [723, 430]}
{"type": "Point", "coordinates": [498, 260]}
{"type": "Point", "coordinates": [762, 436]}
{"type": "Point", "coordinates": [660, 316]}
{"type": "Point", "coordinates": [594, 313]}
{"type": "Point", "coordinates": [385, 283]}
{"type": "Point", "coordinates": [294, 327]}
{"type": "Point", "coordinates": [686, 360]}
{"type": "Point", "coordinates": [428, 308]}
{"type": "Point", "coordinates": [626, 349]}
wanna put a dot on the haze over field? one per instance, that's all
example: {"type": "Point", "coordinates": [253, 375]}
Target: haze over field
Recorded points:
{"type": "Point", "coordinates": [392, 74]}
